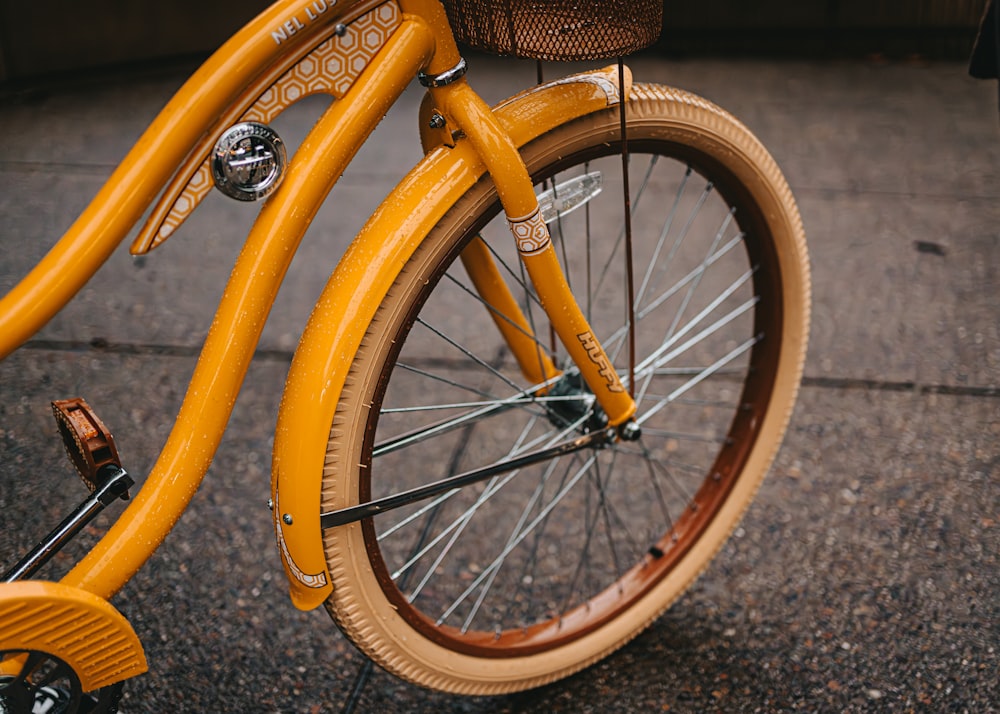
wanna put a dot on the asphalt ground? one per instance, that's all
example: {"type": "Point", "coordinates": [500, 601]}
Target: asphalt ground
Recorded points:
{"type": "Point", "coordinates": [865, 575]}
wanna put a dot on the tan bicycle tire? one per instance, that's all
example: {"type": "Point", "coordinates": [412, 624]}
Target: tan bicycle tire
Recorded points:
{"type": "Point", "coordinates": [707, 136]}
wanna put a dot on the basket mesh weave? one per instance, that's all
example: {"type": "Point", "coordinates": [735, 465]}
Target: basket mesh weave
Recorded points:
{"type": "Point", "coordinates": [556, 29]}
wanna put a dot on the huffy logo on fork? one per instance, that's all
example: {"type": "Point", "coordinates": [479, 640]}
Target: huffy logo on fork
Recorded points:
{"type": "Point", "coordinates": [598, 357]}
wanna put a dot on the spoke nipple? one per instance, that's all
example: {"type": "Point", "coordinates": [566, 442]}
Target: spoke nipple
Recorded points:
{"type": "Point", "coordinates": [630, 431]}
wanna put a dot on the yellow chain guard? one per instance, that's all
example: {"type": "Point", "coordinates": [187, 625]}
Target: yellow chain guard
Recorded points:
{"type": "Point", "coordinates": [81, 629]}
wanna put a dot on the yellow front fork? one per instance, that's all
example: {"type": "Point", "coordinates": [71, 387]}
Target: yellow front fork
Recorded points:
{"type": "Point", "coordinates": [535, 363]}
{"type": "Point", "coordinates": [535, 247]}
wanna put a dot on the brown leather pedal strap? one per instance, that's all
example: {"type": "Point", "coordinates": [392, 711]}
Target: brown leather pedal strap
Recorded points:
{"type": "Point", "coordinates": [88, 442]}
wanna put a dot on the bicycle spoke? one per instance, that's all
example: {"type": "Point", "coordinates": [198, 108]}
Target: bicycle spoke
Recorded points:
{"type": "Point", "coordinates": [470, 354]}
{"type": "Point", "coordinates": [470, 405]}
{"type": "Point", "coordinates": [456, 526]}
{"type": "Point", "coordinates": [518, 534]}
{"type": "Point", "coordinates": [516, 449]}
{"type": "Point", "coordinates": [499, 560]}
{"type": "Point", "coordinates": [664, 433]}
{"type": "Point", "coordinates": [655, 360]}
{"type": "Point", "coordinates": [521, 447]}
{"type": "Point", "coordinates": [446, 380]}
{"type": "Point", "coordinates": [520, 401]}
{"type": "Point", "coordinates": [742, 349]}
{"type": "Point", "coordinates": [700, 275]}
{"type": "Point", "coordinates": [664, 232]}
{"type": "Point", "coordinates": [664, 265]}
{"type": "Point", "coordinates": [525, 513]}
{"type": "Point", "coordinates": [613, 254]}
{"type": "Point", "coordinates": [693, 275]}
{"type": "Point", "coordinates": [605, 512]}
{"type": "Point", "coordinates": [617, 337]}
{"type": "Point", "coordinates": [665, 469]}
{"type": "Point", "coordinates": [475, 296]}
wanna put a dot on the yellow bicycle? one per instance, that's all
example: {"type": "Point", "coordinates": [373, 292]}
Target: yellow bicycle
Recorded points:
{"type": "Point", "coordinates": [537, 393]}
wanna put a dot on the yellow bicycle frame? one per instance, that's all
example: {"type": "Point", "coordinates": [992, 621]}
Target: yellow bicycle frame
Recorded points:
{"type": "Point", "coordinates": [226, 88]}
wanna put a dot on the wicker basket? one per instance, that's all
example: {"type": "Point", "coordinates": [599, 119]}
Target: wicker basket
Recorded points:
{"type": "Point", "coordinates": [557, 29]}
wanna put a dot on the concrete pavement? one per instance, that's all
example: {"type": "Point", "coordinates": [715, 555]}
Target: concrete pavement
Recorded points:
{"type": "Point", "coordinates": [864, 577]}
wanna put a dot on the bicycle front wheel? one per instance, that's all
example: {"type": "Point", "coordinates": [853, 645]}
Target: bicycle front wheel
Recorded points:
{"type": "Point", "coordinates": [536, 572]}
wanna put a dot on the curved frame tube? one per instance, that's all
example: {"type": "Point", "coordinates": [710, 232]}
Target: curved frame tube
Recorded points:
{"type": "Point", "coordinates": [246, 303]}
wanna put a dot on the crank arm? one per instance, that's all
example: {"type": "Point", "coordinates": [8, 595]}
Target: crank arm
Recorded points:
{"type": "Point", "coordinates": [595, 439]}
{"type": "Point", "coordinates": [114, 483]}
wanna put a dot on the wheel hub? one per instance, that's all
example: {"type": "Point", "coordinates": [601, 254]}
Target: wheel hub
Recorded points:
{"type": "Point", "coordinates": [572, 402]}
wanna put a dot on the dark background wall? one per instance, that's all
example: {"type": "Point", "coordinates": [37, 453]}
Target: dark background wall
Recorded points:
{"type": "Point", "coordinates": [40, 38]}
{"type": "Point", "coordinates": [933, 28]}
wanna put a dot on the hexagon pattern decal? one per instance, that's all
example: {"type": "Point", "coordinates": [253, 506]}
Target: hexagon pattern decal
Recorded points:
{"type": "Point", "coordinates": [331, 68]}
{"type": "Point", "coordinates": [531, 233]}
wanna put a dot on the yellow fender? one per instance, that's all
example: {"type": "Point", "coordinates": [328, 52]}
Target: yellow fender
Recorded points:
{"type": "Point", "coordinates": [83, 630]}
{"type": "Point", "coordinates": [349, 301]}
